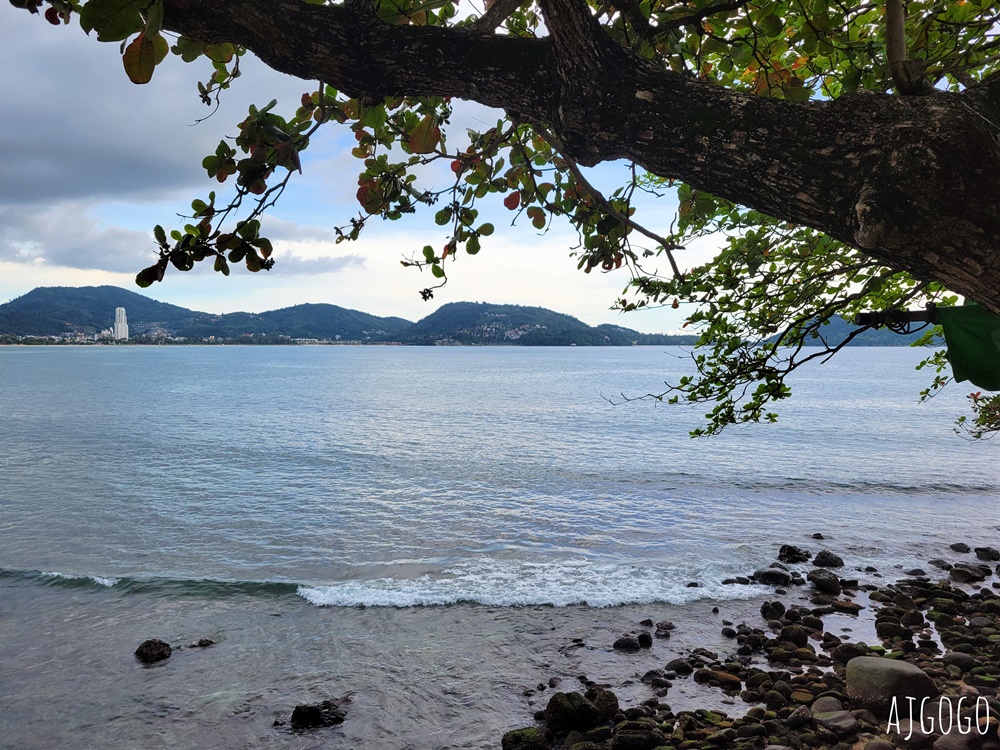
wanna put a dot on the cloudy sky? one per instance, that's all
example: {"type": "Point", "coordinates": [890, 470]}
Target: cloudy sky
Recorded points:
{"type": "Point", "coordinates": [92, 162]}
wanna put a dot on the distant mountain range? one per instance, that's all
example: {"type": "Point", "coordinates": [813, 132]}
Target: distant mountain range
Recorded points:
{"type": "Point", "coordinates": [59, 311]}
{"type": "Point", "coordinates": [62, 311]}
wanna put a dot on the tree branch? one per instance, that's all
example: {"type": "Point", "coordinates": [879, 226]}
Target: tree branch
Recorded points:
{"type": "Point", "coordinates": [926, 170]}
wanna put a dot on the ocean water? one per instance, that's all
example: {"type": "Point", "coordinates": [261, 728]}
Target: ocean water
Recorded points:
{"type": "Point", "coordinates": [422, 529]}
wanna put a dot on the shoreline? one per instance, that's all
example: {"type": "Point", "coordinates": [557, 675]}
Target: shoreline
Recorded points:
{"type": "Point", "coordinates": [792, 682]}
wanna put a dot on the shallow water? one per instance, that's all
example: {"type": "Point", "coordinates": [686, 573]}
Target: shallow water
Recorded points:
{"type": "Point", "coordinates": [301, 505]}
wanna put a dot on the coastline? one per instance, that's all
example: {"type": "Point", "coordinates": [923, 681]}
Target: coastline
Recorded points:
{"type": "Point", "coordinates": [790, 681]}
{"type": "Point", "coordinates": [485, 670]}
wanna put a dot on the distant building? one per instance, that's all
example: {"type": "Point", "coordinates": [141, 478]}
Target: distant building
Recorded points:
{"type": "Point", "coordinates": [121, 325]}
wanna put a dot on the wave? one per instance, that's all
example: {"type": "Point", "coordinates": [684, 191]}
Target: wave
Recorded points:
{"type": "Point", "coordinates": [180, 587]}
{"type": "Point", "coordinates": [511, 584]}
{"type": "Point", "coordinates": [483, 581]}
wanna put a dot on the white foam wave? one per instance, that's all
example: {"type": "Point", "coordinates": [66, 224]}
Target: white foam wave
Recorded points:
{"type": "Point", "coordinates": [519, 583]}
{"type": "Point", "coordinates": [101, 580]}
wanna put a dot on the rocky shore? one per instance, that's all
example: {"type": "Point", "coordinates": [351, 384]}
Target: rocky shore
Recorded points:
{"type": "Point", "coordinates": [928, 678]}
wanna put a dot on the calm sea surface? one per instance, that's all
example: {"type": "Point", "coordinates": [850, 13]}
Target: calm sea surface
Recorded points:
{"type": "Point", "coordinates": [423, 529]}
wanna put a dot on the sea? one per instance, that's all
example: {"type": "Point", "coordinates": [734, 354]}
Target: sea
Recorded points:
{"type": "Point", "coordinates": [428, 534]}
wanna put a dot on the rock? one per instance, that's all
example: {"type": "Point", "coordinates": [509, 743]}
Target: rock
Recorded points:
{"type": "Point", "coordinates": [680, 666]}
{"type": "Point", "coordinates": [568, 711]}
{"type": "Point", "coordinates": [799, 717]}
{"type": "Point", "coordinates": [847, 651]}
{"type": "Point", "coordinates": [772, 610]}
{"type": "Point", "coordinates": [153, 650]}
{"type": "Point", "coordinates": [826, 559]}
{"type": "Point", "coordinates": [323, 714]}
{"type": "Point", "coordinates": [827, 704]}
{"type": "Point", "coordinates": [987, 553]}
{"type": "Point", "coordinates": [626, 643]}
{"type": "Point", "coordinates": [203, 643]}
{"type": "Point", "coordinates": [645, 640]}
{"type": "Point", "coordinates": [824, 581]}
{"type": "Point", "coordinates": [529, 738]}
{"type": "Point", "coordinates": [873, 682]}
{"type": "Point", "coordinates": [791, 554]}
{"type": "Point", "coordinates": [841, 723]}
{"type": "Point", "coordinates": [969, 572]}
{"type": "Point", "coordinates": [961, 547]}
{"type": "Point", "coordinates": [940, 564]}
{"type": "Point", "coordinates": [637, 739]}
{"type": "Point", "coordinates": [772, 577]}
{"type": "Point", "coordinates": [605, 701]}
{"type": "Point", "coordinates": [842, 605]}
{"type": "Point", "coordinates": [915, 572]}
{"type": "Point", "coordinates": [726, 680]}
{"type": "Point", "coordinates": [794, 634]}
{"type": "Point", "coordinates": [965, 662]}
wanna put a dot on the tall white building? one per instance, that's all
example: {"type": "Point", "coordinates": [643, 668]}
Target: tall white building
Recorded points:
{"type": "Point", "coordinates": [120, 328]}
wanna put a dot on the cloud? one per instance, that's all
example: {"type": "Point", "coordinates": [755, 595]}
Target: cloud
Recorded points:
{"type": "Point", "coordinates": [65, 235]}
{"type": "Point", "coordinates": [288, 264]}
{"type": "Point", "coordinates": [74, 126]}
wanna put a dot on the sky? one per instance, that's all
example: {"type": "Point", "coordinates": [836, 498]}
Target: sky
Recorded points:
{"type": "Point", "coordinates": [92, 162]}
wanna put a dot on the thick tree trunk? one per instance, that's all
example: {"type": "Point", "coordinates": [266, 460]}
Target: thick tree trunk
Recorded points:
{"type": "Point", "coordinates": [911, 181]}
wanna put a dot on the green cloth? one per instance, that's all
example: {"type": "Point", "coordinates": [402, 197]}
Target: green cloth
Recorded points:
{"type": "Point", "coordinates": [973, 337]}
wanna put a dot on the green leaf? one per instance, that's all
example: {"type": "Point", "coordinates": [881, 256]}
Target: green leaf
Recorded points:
{"type": "Point", "coordinates": [472, 247]}
{"type": "Point", "coordinates": [437, 271]}
{"type": "Point", "coordinates": [188, 49]}
{"type": "Point", "coordinates": [113, 20]}
{"type": "Point", "coordinates": [160, 235]}
{"type": "Point", "coordinates": [485, 230]}
{"type": "Point", "coordinates": [428, 252]}
{"type": "Point", "coordinates": [154, 18]}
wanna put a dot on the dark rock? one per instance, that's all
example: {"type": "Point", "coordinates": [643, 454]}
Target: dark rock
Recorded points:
{"type": "Point", "coordinates": [873, 683]}
{"type": "Point", "coordinates": [637, 739]}
{"type": "Point", "coordinates": [680, 666]}
{"type": "Point", "coordinates": [965, 662]}
{"type": "Point", "coordinates": [153, 650]}
{"type": "Point", "coordinates": [817, 535]}
{"type": "Point", "coordinates": [961, 547]}
{"type": "Point", "coordinates": [826, 559]}
{"type": "Point", "coordinates": [794, 634]}
{"type": "Point", "coordinates": [841, 723]}
{"type": "Point", "coordinates": [915, 572]}
{"type": "Point", "coordinates": [940, 564]}
{"type": "Point", "coordinates": [772, 577]}
{"type": "Point", "coordinates": [772, 610]}
{"type": "Point", "coordinates": [627, 643]}
{"type": "Point", "coordinates": [799, 717]}
{"type": "Point", "coordinates": [568, 711]}
{"type": "Point", "coordinates": [826, 704]}
{"type": "Point", "coordinates": [692, 585]}
{"type": "Point", "coordinates": [203, 643]}
{"type": "Point", "coordinates": [645, 640]}
{"type": "Point", "coordinates": [529, 738]}
{"type": "Point", "coordinates": [969, 573]}
{"type": "Point", "coordinates": [789, 553]}
{"type": "Point", "coordinates": [824, 581]}
{"type": "Point", "coordinates": [323, 714]}
{"type": "Point", "coordinates": [987, 553]}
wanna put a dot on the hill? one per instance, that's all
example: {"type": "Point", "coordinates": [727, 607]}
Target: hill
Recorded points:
{"type": "Point", "coordinates": [482, 323]}
{"type": "Point", "coordinates": [309, 321]}
{"type": "Point", "coordinates": [55, 310]}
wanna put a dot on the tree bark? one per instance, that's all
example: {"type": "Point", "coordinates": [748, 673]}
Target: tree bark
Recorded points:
{"type": "Point", "coordinates": [911, 181]}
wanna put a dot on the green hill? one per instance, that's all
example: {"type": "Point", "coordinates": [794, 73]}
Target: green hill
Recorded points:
{"type": "Point", "coordinates": [480, 323]}
{"type": "Point", "coordinates": [310, 321]}
{"type": "Point", "coordinates": [54, 310]}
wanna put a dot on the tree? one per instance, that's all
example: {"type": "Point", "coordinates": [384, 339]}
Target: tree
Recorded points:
{"type": "Point", "coordinates": [848, 154]}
